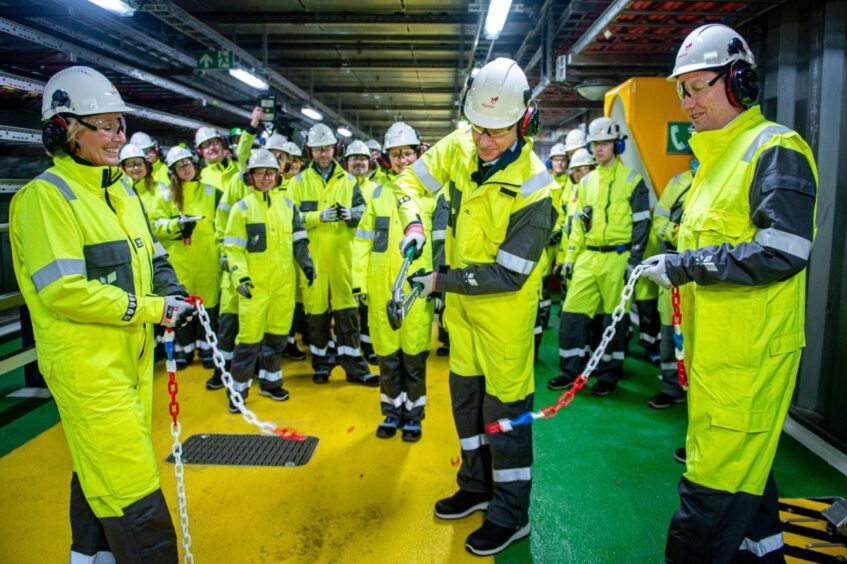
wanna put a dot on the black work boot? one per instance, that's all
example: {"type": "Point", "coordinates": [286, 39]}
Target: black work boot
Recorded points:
{"type": "Point", "coordinates": [492, 538]}
{"type": "Point", "coordinates": [461, 504]}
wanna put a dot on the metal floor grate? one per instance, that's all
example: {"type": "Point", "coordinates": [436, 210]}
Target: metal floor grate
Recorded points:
{"type": "Point", "coordinates": [246, 450]}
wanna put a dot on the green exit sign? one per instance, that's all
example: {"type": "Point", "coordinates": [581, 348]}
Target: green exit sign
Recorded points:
{"type": "Point", "coordinates": [678, 134]}
{"type": "Point", "coordinates": [214, 60]}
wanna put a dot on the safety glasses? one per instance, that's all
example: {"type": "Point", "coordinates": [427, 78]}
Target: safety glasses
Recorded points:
{"type": "Point", "coordinates": [397, 155]}
{"type": "Point", "coordinates": [214, 142]}
{"type": "Point", "coordinates": [493, 132]}
{"type": "Point", "coordinates": [696, 87]}
{"type": "Point", "coordinates": [109, 126]}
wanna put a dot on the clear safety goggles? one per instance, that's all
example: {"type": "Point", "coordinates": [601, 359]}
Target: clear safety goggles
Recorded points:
{"type": "Point", "coordinates": [397, 155]}
{"type": "Point", "coordinates": [111, 127]}
{"type": "Point", "coordinates": [492, 132]}
{"type": "Point", "coordinates": [696, 87]}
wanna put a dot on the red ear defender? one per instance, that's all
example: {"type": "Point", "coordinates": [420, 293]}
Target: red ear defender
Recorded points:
{"type": "Point", "coordinates": [422, 148]}
{"type": "Point", "coordinates": [383, 160]}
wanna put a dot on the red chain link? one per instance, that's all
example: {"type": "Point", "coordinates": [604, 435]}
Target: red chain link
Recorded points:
{"type": "Point", "coordinates": [566, 398]}
{"type": "Point", "coordinates": [676, 320]}
{"type": "Point", "coordinates": [173, 388]}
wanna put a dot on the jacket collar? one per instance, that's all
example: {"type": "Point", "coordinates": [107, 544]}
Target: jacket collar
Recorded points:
{"type": "Point", "coordinates": [708, 146]}
{"type": "Point", "coordinates": [88, 176]}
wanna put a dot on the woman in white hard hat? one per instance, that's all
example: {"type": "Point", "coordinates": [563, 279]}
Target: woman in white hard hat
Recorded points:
{"type": "Point", "coordinates": [93, 277]}
{"type": "Point", "coordinates": [184, 222]}
{"type": "Point", "coordinates": [140, 172]}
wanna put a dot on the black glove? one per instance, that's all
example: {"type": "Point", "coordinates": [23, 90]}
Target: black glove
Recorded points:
{"type": "Point", "coordinates": [187, 229]}
{"type": "Point", "coordinates": [177, 312]}
{"type": "Point", "coordinates": [244, 288]}
{"type": "Point", "coordinates": [556, 237]}
{"type": "Point", "coordinates": [567, 270]}
{"type": "Point", "coordinates": [310, 274]}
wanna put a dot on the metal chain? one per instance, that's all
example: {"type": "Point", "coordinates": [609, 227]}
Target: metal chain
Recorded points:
{"type": "Point", "coordinates": [176, 448]}
{"type": "Point", "coordinates": [679, 351]}
{"type": "Point", "coordinates": [265, 427]}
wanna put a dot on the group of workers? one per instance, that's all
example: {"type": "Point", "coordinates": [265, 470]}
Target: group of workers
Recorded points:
{"type": "Point", "coordinates": [110, 241]}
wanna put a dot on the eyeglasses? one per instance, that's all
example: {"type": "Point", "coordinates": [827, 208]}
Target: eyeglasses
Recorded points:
{"type": "Point", "coordinates": [493, 132]}
{"type": "Point", "coordinates": [211, 143]}
{"type": "Point", "coordinates": [397, 155]}
{"type": "Point", "coordinates": [323, 149]}
{"type": "Point", "coordinates": [184, 164]}
{"type": "Point", "coordinates": [135, 163]}
{"type": "Point", "coordinates": [263, 172]}
{"type": "Point", "coordinates": [696, 87]}
{"type": "Point", "coordinates": [109, 126]}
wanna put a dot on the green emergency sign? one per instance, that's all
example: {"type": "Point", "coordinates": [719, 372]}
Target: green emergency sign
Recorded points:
{"type": "Point", "coordinates": [215, 60]}
{"type": "Point", "coordinates": [678, 134]}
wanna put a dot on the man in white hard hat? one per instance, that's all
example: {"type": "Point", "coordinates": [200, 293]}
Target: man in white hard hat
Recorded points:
{"type": "Point", "coordinates": [331, 204]}
{"type": "Point", "coordinates": [743, 247]}
{"type": "Point", "coordinates": [605, 244]}
{"type": "Point", "coordinates": [574, 141]}
{"type": "Point", "coordinates": [95, 281]}
{"type": "Point", "coordinates": [154, 157]}
{"type": "Point", "coordinates": [500, 222]}
{"type": "Point", "coordinates": [380, 171]}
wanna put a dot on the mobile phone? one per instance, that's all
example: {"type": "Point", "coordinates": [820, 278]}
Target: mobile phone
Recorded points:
{"type": "Point", "coordinates": [268, 104]}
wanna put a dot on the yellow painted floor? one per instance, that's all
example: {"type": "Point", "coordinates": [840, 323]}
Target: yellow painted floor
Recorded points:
{"type": "Point", "coordinates": [360, 499]}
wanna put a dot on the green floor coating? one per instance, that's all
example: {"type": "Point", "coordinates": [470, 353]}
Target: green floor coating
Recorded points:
{"type": "Point", "coordinates": [604, 477]}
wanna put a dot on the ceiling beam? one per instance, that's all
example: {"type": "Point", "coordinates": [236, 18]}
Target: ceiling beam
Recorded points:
{"type": "Point", "coordinates": [392, 63]}
{"type": "Point", "coordinates": [384, 90]}
{"type": "Point", "coordinates": [605, 20]}
{"type": "Point", "coordinates": [605, 58]}
{"type": "Point", "coordinates": [352, 18]}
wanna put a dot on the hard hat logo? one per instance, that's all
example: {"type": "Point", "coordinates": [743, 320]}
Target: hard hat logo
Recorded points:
{"type": "Point", "coordinates": [60, 98]}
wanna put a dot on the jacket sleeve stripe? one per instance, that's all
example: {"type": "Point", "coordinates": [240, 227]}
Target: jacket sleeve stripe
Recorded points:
{"type": "Point", "coordinates": [363, 234]}
{"type": "Point", "coordinates": [57, 269]}
{"type": "Point", "coordinates": [160, 250]}
{"type": "Point", "coordinates": [514, 262]}
{"type": "Point", "coordinates": [662, 212]}
{"type": "Point", "coordinates": [761, 139]}
{"type": "Point", "coordinates": [640, 216]}
{"type": "Point", "coordinates": [58, 183]}
{"type": "Point", "coordinates": [536, 183]}
{"type": "Point", "coordinates": [439, 235]}
{"type": "Point", "coordinates": [299, 235]}
{"type": "Point", "coordinates": [428, 180]}
{"type": "Point", "coordinates": [223, 206]}
{"type": "Point", "coordinates": [632, 176]}
{"type": "Point", "coordinates": [785, 242]}
{"type": "Point", "coordinates": [235, 241]}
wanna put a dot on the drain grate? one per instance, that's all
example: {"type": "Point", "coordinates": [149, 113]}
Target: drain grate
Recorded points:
{"type": "Point", "coordinates": [246, 450]}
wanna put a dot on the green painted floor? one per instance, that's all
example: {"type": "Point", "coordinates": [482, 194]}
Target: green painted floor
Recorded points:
{"type": "Point", "coordinates": [604, 474]}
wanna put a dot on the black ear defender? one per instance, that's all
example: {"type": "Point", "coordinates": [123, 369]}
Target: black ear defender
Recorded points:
{"type": "Point", "coordinates": [742, 82]}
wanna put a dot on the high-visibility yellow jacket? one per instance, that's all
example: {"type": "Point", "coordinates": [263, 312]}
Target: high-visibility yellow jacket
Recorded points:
{"type": "Point", "coordinates": [90, 270]}
{"type": "Point", "coordinates": [367, 187]}
{"type": "Point", "coordinates": [376, 263]}
{"type": "Point", "coordinates": [500, 222]}
{"type": "Point", "coordinates": [744, 243]}
{"type": "Point", "coordinates": [219, 174]}
{"type": "Point", "coordinates": [161, 173]}
{"type": "Point", "coordinates": [620, 212]}
{"type": "Point", "coordinates": [668, 212]}
{"type": "Point", "coordinates": [196, 260]}
{"type": "Point", "coordinates": [331, 243]}
{"type": "Point", "coordinates": [148, 197]}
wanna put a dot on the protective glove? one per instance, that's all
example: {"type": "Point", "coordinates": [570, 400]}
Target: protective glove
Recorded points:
{"type": "Point", "coordinates": [344, 213]}
{"type": "Point", "coordinates": [414, 238]}
{"type": "Point", "coordinates": [224, 263]}
{"type": "Point", "coordinates": [177, 312]}
{"type": "Point", "coordinates": [187, 228]}
{"type": "Point", "coordinates": [627, 273]}
{"type": "Point", "coordinates": [310, 274]}
{"type": "Point", "coordinates": [439, 302]}
{"type": "Point", "coordinates": [244, 288]}
{"type": "Point", "coordinates": [426, 279]}
{"type": "Point", "coordinates": [656, 270]}
{"type": "Point", "coordinates": [330, 214]}
{"type": "Point", "coordinates": [556, 237]}
{"type": "Point", "coordinates": [362, 299]}
{"type": "Point", "coordinates": [567, 270]}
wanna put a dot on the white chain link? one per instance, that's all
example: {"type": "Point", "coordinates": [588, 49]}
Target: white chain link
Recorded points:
{"type": "Point", "coordinates": [617, 315]}
{"type": "Point", "coordinates": [265, 427]}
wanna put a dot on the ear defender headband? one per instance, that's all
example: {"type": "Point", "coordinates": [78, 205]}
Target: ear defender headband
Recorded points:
{"type": "Point", "coordinates": [620, 143]}
{"type": "Point", "coordinates": [742, 82]}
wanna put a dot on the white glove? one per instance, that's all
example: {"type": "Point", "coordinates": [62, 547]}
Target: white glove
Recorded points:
{"type": "Point", "coordinates": [415, 237]}
{"type": "Point", "coordinates": [177, 312]}
{"type": "Point", "coordinates": [656, 270]}
{"type": "Point", "coordinates": [244, 288]}
{"type": "Point", "coordinates": [427, 280]}
{"type": "Point", "coordinates": [329, 214]}
{"type": "Point", "coordinates": [344, 213]}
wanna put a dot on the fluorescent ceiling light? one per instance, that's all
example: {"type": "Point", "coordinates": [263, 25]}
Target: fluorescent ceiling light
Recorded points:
{"type": "Point", "coordinates": [249, 79]}
{"type": "Point", "coordinates": [595, 88]}
{"type": "Point", "coordinates": [115, 6]}
{"type": "Point", "coordinates": [344, 132]}
{"type": "Point", "coordinates": [311, 113]}
{"type": "Point", "coordinates": [496, 18]}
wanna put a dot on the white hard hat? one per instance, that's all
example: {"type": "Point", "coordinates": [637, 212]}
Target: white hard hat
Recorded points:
{"type": "Point", "coordinates": [292, 149]}
{"type": "Point", "coordinates": [276, 141]}
{"type": "Point", "coordinates": [320, 135]}
{"type": "Point", "coordinates": [357, 148]}
{"type": "Point", "coordinates": [204, 134]}
{"type": "Point", "coordinates": [498, 95]}
{"type": "Point", "coordinates": [575, 140]}
{"type": "Point", "coordinates": [130, 151]}
{"type": "Point", "coordinates": [711, 46]}
{"type": "Point", "coordinates": [603, 129]}
{"type": "Point", "coordinates": [142, 140]}
{"type": "Point", "coordinates": [176, 154]}
{"type": "Point", "coordinates": [399, 135]}
{"type": "Point", "coordinates": [262, 158]}
{"type": "Point", "coordinates": [582, 158]}
{"type": "Point", "coordinates": [80, 91]}
{"type": "Point", "coordinates": [558, 150]}
{"type": "Point", "coordinates": [373, 145]}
